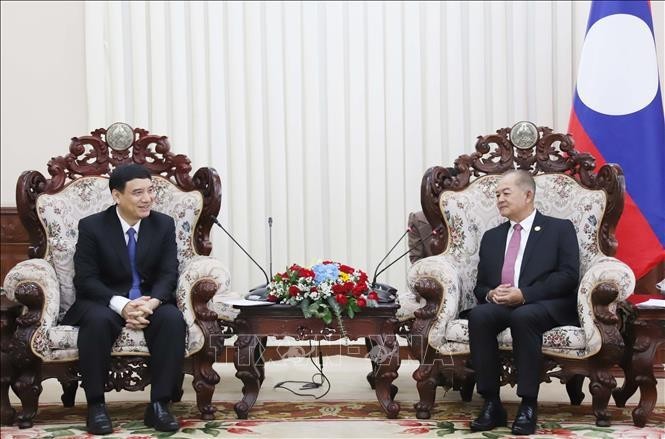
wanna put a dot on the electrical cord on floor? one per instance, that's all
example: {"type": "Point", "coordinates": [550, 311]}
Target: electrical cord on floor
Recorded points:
{"type": "Point", "coordinates": [314, 384]}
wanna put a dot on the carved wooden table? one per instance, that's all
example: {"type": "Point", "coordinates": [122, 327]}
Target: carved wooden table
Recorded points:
{"type": "Point", "coordinates": [255, 323]}
{"type": "Point", "coordinates": [644, 332]}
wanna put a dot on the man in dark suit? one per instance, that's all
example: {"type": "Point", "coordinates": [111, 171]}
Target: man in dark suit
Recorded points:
{"type": "Point", "coordinates": [527, 281]}
{"type": "Point", "coordinates": [126, 269]}
{"type": "Point", "coordinates": [419, 229]}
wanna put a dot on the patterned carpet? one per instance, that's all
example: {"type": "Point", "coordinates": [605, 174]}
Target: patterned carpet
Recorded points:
{"type": "Point", "coordinates": [336, 419]}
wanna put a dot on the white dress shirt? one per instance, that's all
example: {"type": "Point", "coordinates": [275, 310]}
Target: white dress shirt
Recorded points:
{"type": "Point", "coordinates": [117, 303]}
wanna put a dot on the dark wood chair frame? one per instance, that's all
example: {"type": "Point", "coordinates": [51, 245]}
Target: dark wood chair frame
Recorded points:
{"type": "Point", "coordinates": [92, 156]}
{"type": "Point", "coordinates": [495, 154]}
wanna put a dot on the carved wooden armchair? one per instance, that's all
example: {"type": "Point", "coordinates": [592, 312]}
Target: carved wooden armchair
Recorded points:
{"type": "Point", "coordinates": [460, 202]}
{"type": "Point", "coordinates": [50, 209]}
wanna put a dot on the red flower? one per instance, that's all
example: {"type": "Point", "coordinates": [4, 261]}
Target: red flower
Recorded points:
{"type": "Point", "coordinates": [359, 288]}
{"type": "Point", "coordinates": [338, 289]}
{"type": "Point", "coordinates": [303, 272]}
{"type": "Point", "coordinates": [341, 299]}
{"type": "Point", "coordinates": [361, 302]}
{"type": "Point", "coordinates": [237, 430]}
{"type": "Point", "coordinates": [373, 296]}
{"type": "Point", "coordinates": [345, 269]}
{"type": "Point", "coordinates": [186, 423]}
{"type": "Point", "coordinates": [272, 298]}
{"type": "Point", "coordinates": [293, 290]}
{"type": "Point", "coordinates": [348, 287]}
{"type": "Point", "coordinates": [417, 430]}
{"type": "Point", "coordinates": [327, 262]}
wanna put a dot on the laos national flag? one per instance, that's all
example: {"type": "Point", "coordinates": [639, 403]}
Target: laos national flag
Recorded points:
{"type": "Point", "coordinates": [617, 116]}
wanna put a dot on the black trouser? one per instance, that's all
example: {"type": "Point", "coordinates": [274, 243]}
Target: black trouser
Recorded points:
{"type": "Point", "coordinates": [165, 337]}
{"type": "Point", "coordinates": [527, 324]}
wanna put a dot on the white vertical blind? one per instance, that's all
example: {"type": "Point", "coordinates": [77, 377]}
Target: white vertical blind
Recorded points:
{"type": "Point", "coordinates": [325, 115]}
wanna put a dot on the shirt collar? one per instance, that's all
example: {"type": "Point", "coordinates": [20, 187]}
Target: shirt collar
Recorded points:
{"type": "Point", "coordinates": [526, 223]}
{"type": "Point", "coordinates": [126, 226]}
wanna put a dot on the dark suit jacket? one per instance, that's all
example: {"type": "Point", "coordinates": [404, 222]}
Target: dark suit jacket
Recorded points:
{"type": "Point", "coordinates": [550, 266]}
{"type": "Point", "coordinates": [419, 228]}
{"type": "Point", "coordinates": [101, 261]}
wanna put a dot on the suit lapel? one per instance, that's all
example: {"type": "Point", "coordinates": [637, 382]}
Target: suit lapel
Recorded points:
{"type": "Point", "coordinates": [146, 234]}
{"type": "Point", "coordinates": [536, 232]}
{"type": "Point", "coordinates": [500, 248]}
{"type": "Point", "coordinates": [117, 237]}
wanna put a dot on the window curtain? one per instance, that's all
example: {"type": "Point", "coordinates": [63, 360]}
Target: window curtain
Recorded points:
{"type": "Point", "coordinates": [325, 115]}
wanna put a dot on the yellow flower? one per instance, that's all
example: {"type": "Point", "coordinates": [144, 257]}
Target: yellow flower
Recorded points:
{"type": "Point", "coordinates": [344, 276]}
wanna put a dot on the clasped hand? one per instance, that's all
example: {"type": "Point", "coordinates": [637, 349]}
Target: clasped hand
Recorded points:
{"type": "Point", "coordinates": [506, 294]}
{"type": "Point", "coordinates": [137, 311]}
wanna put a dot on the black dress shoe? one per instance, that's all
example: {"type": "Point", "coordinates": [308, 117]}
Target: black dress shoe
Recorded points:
{"type": "Point", "coordinates": [525, 421]}
{"type": "Point", "coordinates": [157, 415]}
{"type": "Point", "coordinates": [98, 421]}
{"type": "Point", "coordinates": [493, 415]}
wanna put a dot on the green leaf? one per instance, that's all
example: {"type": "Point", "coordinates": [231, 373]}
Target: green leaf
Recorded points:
{"type": "Point", "coordinates": [351, 312]}
{"type": "Point", "coordinates": [445, 425]}
{"type": "Point", "coordinates": [133, 424]}
{"type": "Point", "coordinates": [334, 305]}
{"type": "Point", "coordinates": [327, 317]}
{"type": "Point", "coordinates": [305, 307]}
{"type": "Point", "coordinates": [213, 424]}
{"type": "Point", "coordinates": [63, 427]}
{"type": "Point", "coordinates": [212, 432]}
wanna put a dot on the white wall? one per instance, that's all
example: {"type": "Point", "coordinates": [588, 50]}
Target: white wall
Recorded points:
{"type": "Point", "coordinates": [43, 86]}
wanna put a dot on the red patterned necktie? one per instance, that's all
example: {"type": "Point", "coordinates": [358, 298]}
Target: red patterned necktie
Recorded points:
{"type": "Point", "coordinates": [508, 270]}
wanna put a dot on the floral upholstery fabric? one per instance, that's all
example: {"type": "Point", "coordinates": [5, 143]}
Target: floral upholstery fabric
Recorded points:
{"type": "Point", "coordinates": [60, 214]}
{"type": "Point", "coordinates": [469, 213]}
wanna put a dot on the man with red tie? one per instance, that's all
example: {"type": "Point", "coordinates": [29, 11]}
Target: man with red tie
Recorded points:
{"type": "Point", "coordinates": [527, 281]}
{"type": "Point", "coordinates": [126, 273]}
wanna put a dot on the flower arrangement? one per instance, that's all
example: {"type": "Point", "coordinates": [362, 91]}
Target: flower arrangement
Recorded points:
{"type": "Point", "coordinates": [323, 290]}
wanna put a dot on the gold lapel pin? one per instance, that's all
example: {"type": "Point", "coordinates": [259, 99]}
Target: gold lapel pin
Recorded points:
{"type": "Point", "coordinates": [537, 228]}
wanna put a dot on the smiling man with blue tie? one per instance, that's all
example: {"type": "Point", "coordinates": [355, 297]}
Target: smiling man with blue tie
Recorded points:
{"type": "Point", "coordinates": [126, 270]}
{"type": "Point", "coordinates": [527, 281]}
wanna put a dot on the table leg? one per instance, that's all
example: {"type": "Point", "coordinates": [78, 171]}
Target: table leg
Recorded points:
{"type": "Point", "coordinates": [385, 354]}
{"type": "Point", "coordinates": [247, 370]}
{"type": "Point", "coordinates": [629, 387]}
{"type": "Point", "coordinates": [641, 373]}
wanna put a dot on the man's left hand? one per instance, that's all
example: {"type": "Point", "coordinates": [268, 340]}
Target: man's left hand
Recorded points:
{"type": "Point", "coordinates": [149, 306]}
{"type": "Point", "coordinates": [509, 296]}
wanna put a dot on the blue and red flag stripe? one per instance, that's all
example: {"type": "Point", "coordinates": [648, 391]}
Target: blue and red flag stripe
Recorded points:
{"type": "Point", "coordinates": [629, 133]}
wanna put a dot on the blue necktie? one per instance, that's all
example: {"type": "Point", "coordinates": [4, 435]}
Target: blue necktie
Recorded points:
{"type": "Point", "coordinates": [135, 291]}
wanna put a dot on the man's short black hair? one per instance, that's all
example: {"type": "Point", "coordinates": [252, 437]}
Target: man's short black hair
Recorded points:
{"type": "Point", "coordinates": [124, 173]}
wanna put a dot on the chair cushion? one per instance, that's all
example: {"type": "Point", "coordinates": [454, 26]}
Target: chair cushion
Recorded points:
{"type": "Point", "coordinates": [61, 212]}
{"type": "Point", "coordinates": [62, 341]}
{"type": "Point", "coordinates": [559, 340]}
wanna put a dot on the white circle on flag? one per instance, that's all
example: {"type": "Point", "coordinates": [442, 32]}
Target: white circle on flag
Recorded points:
{"type": "Point", "coordinates": [618, 71]}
